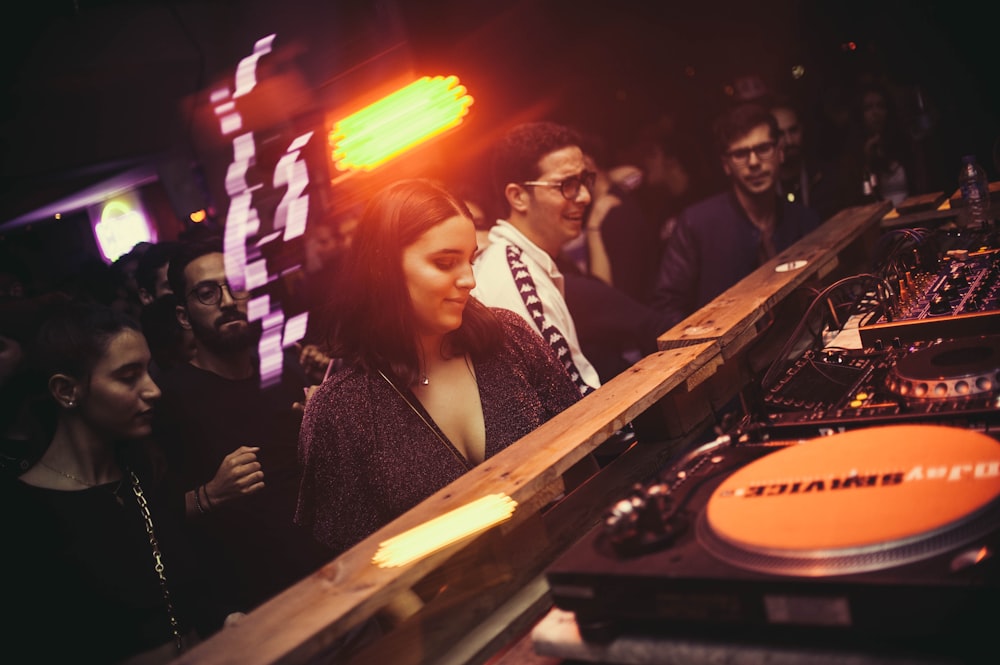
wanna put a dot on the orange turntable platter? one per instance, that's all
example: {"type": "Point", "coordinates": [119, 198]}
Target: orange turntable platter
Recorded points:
{"type": "Point", "coordinates": [860, 490]}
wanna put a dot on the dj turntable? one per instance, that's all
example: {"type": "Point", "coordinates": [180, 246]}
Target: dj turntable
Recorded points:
{"type": "Point", "coordinates": [873, 536]}
{"type": "Point", "coordinates": [946, 381]}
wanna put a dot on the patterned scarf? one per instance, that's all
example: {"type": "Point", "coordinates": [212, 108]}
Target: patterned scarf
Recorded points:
{"type": "Point", "coordinates": [526, 287]}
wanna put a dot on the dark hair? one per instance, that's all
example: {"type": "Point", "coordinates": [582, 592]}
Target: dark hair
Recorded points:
{"type": "Point", "coordinates": [894, 139]}
{"type": "Point", "coordinates": [516, 156]}
{"type": "Point", "coordinates": [72, 339]}
{"type": "Point", "coordinates": [73, 336]}
{"type": "Point", "coordinates": [20, 317]}
{"type": "Point", "coordinates": [374, 320]}
{"type": "Point", "coordinates": [152, 260]}
{"type": "Point", "coordinates": [185, 253]}
{"type": "Point", "coordinates": [93, 280]}
{"type": "Point", "coordinates": [596, 147]}
{"type": "Point", "coordinates": [868, 86]}
{"type": "Point", "coordinates": [740, 120]}
{"type": "Point", "coordinates": [784, 101]}
{"type": "Point", "coordinates": [121, 264]}
{"type": "Point", "coordinates": [163, 333]}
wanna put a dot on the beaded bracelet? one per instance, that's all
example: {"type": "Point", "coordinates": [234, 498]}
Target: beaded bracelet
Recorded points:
{"type": "Point", "coordinates": [197, 501]}
{"type": "Point", "coordinates": [208, 499]}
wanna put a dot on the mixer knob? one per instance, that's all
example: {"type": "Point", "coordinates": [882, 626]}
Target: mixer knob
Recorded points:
{"type": "Point", "coordinates": [958, 277]}
{"type": "Point", "coordinates": [940, 305]}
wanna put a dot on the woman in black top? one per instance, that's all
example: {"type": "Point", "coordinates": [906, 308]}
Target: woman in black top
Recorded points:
{"type": "Point", "coordinates": [97, 570]}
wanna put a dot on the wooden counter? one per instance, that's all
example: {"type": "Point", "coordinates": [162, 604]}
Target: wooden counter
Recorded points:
{"type": "Point", "coordinates": [478, 596]}
{"type": "Point", "coordinates": [744, 323]}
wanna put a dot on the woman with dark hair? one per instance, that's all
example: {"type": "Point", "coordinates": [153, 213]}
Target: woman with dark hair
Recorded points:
{"type": "Point", "coordinates": [879, 149]}
{"type": "Point", "coordinates": [432, 381]}
{"type": "Point", "coordinates": [97, 568]}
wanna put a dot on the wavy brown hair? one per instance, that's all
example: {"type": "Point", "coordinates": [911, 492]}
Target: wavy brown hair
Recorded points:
{"type": "Point", "coordinates": [374, 324]}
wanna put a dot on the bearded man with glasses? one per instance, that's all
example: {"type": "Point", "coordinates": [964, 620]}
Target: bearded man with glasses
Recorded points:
{"type": "Point", "coordinates": [231, 443]}
{"type": "Point", "coordinates": [722, 239]}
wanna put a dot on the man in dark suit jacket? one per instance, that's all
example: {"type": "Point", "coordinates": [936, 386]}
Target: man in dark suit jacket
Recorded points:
{"type": "Point", "coordinates": [722, 239]}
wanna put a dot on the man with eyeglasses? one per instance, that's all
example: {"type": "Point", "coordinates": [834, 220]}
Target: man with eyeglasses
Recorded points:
{"type": "Point", "coordinates": [232, 444]}
{"type": "Point", "coordinates": [539, 171]}
{"type": "Point", "coordinates": [722, 239]}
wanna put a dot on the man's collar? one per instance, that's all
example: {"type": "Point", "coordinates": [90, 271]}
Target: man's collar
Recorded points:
{"type": "Point", "coordinates": [506, 232]}
{"type": "Point", "coordinates": [235, 368]}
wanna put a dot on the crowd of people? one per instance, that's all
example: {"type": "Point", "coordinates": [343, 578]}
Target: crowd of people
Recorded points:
{"type": "Point", "coordinates": [157, 489]}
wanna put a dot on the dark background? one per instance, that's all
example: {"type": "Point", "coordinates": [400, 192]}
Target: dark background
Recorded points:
{"type": "Point", "coordinates": [92, 88]}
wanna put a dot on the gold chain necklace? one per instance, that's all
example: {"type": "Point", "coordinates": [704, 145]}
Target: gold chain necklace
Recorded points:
{"type": "Point", "coordinates": [157, 559]}
{"type": "Point", "coordinates": [153, 543]}
{"type": "Point", "coordinates": [84, 482]}
{"type": "Point", "coordinates": [67, 475]}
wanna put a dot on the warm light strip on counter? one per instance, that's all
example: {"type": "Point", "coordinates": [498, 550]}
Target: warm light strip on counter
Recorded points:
{"type": "Point", "coordinates": [445, 530]}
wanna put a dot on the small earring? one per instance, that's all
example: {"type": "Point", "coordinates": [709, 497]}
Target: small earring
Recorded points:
{"type": "Point", "coordinates": [70, 404]}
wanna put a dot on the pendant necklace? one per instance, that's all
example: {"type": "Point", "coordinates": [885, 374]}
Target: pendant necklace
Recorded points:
{"type": "Point", "coordinates": [84, 482]}
{"type": "Point", "coordinates": [425, 381]}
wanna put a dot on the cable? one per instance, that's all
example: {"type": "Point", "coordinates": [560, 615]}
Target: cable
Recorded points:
{"type": "Point", "coordinates": [825, 300]}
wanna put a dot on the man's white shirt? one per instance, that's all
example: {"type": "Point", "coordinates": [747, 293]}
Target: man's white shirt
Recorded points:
{"type": "Point", "coordinates": [495, 287]}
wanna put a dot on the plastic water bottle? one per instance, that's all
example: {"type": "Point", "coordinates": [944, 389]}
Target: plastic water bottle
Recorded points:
{"type": "Point", "coordinates": [975, 188]}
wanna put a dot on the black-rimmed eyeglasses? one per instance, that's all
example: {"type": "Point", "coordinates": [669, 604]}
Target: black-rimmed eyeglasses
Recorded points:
{"type": "Point", "coordinates": [210, 293]}
{"type": "Point", "coordinates": [568, 187]}
{"type": "Point", "coordinates": [763, 150]}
